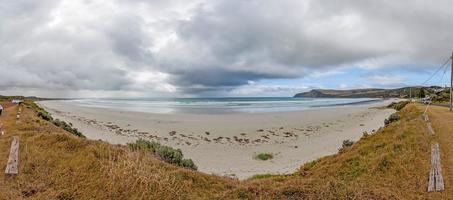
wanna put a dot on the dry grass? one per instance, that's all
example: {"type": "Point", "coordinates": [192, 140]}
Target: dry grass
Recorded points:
{"type": "Point", "coordinates": [442, 122]}
{"type": "Point", "coordinates": [391, 164]}
{"type": "Point", "coordinates": [56, 165]}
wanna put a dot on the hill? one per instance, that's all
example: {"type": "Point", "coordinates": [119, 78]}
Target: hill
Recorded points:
{"type": "Point", "coordinates": [361, 93]}
{"type": "Point", "coordinates": [392, 163]}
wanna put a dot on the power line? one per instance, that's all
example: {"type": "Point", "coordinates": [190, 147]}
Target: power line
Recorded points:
{"type": "Point", "coordinates": [432, 75]}
{"type": "Point", "coordinates": [443, 74]}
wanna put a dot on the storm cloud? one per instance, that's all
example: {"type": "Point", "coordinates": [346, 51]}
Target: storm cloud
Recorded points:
{"type": "Point", "coordinates": [206, 47]}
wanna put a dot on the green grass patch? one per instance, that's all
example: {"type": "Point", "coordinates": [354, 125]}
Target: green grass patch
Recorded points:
{"type": "Point", "coordinates": [261, 176]}
{"type": "Point", "coordinates": [264, 156]}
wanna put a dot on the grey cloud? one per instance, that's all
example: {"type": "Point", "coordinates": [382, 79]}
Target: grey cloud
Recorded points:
{"type": "Point", "coordinates": [214, 45]}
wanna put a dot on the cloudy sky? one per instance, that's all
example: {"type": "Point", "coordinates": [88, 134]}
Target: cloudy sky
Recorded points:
{"type": "Point", "coordinates": [138, 48]}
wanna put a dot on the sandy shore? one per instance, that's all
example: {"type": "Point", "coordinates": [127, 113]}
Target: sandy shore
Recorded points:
{"type": "Point", "coordinates": [226, 144]}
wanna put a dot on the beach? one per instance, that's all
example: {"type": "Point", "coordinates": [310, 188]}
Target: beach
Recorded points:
{"type": "Point", "coordinates": [225, 144]}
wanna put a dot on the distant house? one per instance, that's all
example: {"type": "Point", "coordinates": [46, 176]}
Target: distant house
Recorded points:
{"type": "Point", "coordinates": [17, 101]}
{"type": "Point", "coordinates": [439, 90]}
{"type": "Point", "coordinates": [426, 100]}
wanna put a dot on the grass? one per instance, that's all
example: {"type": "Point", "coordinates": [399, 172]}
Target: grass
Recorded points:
{"type": "Point", "coordinates": [43, 114]}
{"type": "Point", "coordinates": [392, 163]}
{"type": "Point", "coordinates": [261, 176]}
{"type": "Point", "coordinates": [264, 156]}
{"type": "Point", "coordinates": [54, 164]}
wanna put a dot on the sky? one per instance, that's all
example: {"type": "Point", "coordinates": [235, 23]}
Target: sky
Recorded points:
{"type": "Point", "coordinates": [183, 48]}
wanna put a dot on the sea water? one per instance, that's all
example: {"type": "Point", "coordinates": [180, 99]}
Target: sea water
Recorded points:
{"type": "Point", "coordinates": [218, 105]}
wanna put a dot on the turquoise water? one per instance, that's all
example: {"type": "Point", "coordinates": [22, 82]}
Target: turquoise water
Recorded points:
{"type": "Point", "coordinates": [219, 105]}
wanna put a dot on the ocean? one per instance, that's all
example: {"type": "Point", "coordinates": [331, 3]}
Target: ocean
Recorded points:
{"type": "Point", "coordinates": [219, 105]}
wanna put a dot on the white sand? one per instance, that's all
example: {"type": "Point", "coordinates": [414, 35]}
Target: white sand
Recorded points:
{"type": "Point", "coordinates": [233, 139]}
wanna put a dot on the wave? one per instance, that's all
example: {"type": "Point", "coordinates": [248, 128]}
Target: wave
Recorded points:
{"type": "Point", "coordinates": [219, 105]}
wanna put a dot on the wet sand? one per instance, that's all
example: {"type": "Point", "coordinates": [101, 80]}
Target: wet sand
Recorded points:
{"type": "Point", "coordinates": [225, 144]}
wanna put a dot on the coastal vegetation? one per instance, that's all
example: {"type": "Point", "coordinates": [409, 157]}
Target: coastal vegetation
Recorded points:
{"type": "Point", "coordinates": [346, 145]}
{"type": "Point", "coordinates": [398, 105]}
{"type": "Point", "coordinates": [395, 116]}
{"type": "Point", "coordinates": [43, 114]}
{"type": "Point", "coordinates": [261, 176]}
{"type": "Point", "coordinates": [264, 156]}
{"type": "Point", "coordinates": [391, 163]}
{"type": "Point", "coordinates": [165, 153]}
{"type": "Point", "coordinates": [392, 118]}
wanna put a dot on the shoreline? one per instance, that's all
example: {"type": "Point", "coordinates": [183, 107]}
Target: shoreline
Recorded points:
{"type": "Point", "coordinates": [226, 144]}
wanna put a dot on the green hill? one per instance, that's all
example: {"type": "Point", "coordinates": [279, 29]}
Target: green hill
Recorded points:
{"type": "Point", "coordinates": [362, 93]}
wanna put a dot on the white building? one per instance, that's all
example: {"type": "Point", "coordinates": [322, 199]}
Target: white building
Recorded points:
{"type": "Point", "coordinates": [17, 101]}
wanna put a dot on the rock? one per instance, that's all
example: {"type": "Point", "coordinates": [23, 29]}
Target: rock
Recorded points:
{"type": "Point", "coordinates": [172, 133]}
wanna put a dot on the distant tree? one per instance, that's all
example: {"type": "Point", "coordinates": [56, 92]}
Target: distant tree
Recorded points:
{"type": "Point", "coordinates": [422, 93]}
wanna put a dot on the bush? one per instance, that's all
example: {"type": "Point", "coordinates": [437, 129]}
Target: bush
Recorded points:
{"type": "Point", "coordinates": [68, 127]}
{"type": "Point", "coordinates": [346, 144]}
{"type": "Point", "coordinates": [165, 153]}
{"type": "Point", "coordinates": [62, 124]}
{"type": "Point", "coordinates": [170, 155]}
{"type": "Point", "coordinates": [398, 105]}
{"type": "Point", "coordinates": [264, 156]}
{"type": "Point", "coordinates": [45, 115]}
{"type": "Point", "coordinates": [188, 163]}
{"type": "Point", "coordinates": [392, 118]}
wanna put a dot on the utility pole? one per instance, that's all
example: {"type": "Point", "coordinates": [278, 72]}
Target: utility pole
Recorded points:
{"type": "Point", "coordinates": [410, 92]}
{"type": "Point", "coordinates": [451, 83]}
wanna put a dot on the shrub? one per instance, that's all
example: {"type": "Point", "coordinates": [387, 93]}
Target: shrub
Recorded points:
{"type": "Point", "coordinates": [264, 156]}
{"type": "Point", "coordinates": [188, 163]}
{"type": "Point", "coordinates": [398, 105]}
{"type": "Point", "coordinates": [170, 155]}
{"type": "Point", "coordinates": [392, 118]}
{"type": "Point", "coordinates": [68, 127]}
{"type": "Point", "coordinates": [62, 124]}
{"type": "Point", "coordinates": [165, 153]}
{"type": "Point", "coordinates": [45, 115]}
{"type": "Point", "coordinates": [346, 144]}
